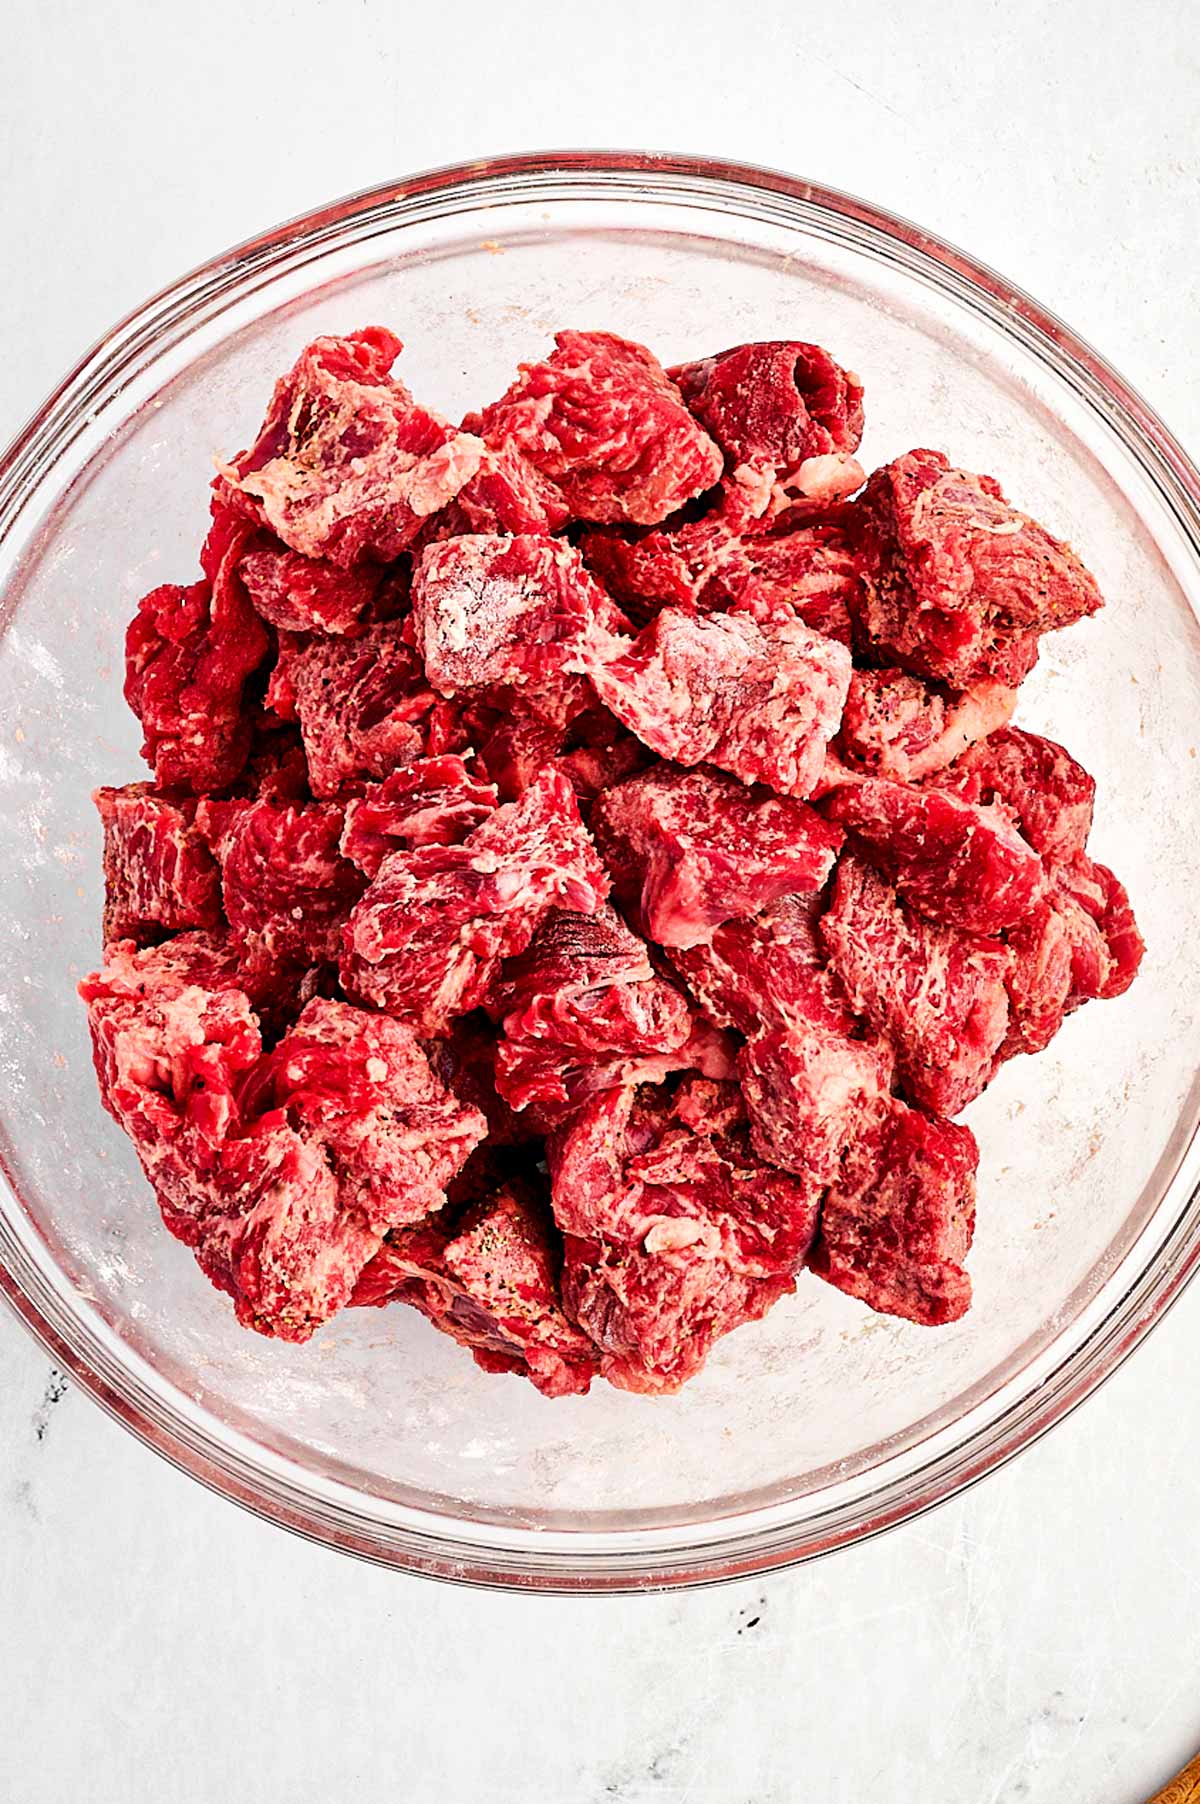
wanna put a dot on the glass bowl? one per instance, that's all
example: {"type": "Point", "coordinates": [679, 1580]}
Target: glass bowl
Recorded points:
{"type": "Point", "coordinates": [824, 1423]}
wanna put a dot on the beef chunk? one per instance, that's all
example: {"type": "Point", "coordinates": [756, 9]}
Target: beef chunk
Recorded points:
{"type": "Point", "coordinates": [434, 802]}
{"type": "Point", "coordinates": [937, 993]}
{"type": "Point", "coordinates": [954, 862]}
{"type": "Point", "coordinates": [769, 970]}
{"type": "Point", "coordinates": [1099, 895]}
{"type": "Point", "coordinates": [426, 939]}
{"type": "Point", "coordinates": [504, 610]}
{"type": "Point", "coordinates": [602, 420]}
{"type": "Point", "coordinates": [188, 653]}
{"type": "Point", "coordinates": [306, 594]}
{"type": "Point", "coordinates": [690, 849]}
{"type": "Point", "coordinates": [491, 1280]}
{"type": "Point", "coordinates": [959, 585]}
{"type": "Point", "coordinates": [761, 701]}
{"type": "Point", "coordinates": [506, 494]}
{"type": "Point", "coordinates": [346, 465]}
{"type": "Point", "coordinates": [810, 1093]}
{"type": "Point", "coordinates": [675, 1232]}
{"type": "Point", "coordinates": [898, 1223]}
{"type": "Point", "coordinates": [896, 725]}
{"type": "Point", "coordinates": [363, 705]}
{"type": "Point", "coordinates": [786, 416]}
{"type": "Point", "coordinates": [583, 1011]}
{"type": "Point", "coordinates": [1048, 794]}
{"type": "Point", "coordinates": [464, 1058]}
{"type": "Point", "coordinates": [159, 876]}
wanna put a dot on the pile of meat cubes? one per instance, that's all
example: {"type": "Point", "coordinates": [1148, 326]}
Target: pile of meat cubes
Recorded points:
{"type": "Point", "coordinates": [588, 864]}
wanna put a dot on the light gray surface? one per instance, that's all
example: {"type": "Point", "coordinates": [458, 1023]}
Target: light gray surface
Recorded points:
{"type": "Point", "coordinates": [1036, 1640]}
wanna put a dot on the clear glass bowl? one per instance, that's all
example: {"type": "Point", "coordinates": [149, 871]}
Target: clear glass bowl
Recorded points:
{"type": "Point", "coordinates": [824, 1423]}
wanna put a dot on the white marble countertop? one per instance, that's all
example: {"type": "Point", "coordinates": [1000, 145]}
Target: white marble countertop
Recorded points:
{"type": "Point", "coordinates": [1037, 1640]}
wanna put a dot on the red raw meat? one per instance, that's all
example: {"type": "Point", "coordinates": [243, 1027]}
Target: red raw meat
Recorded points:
{"type": "Point", "coordinates": [346, 465]}
{"type": "Point", "coordinates": [159, 876]}
{"type": "Point", "coordinates": [188, 653]}
{"type": "Point", "coordinates": [426, 939]}
{"type": "Point", "coordinates": [276, 769]}
{"type": "Point", "coordinates": [491, 1281]}
{"type": "Point", "coordinates": [362, 703]}
{"type": "Point", "coordinates": [505, 610]}
{"type": "Point", "coordinates": [464, 1058]}
{"type": "Point", "coordinates": [809, 1094]}
{"type": "Point", "coordinates": [1048, 794]}
{"type": "Point", "coordinates": [787, 418]}
{"type": "Point", "coordinates": [593, 752]}
{"type": "Point", "coordinates": [306, 594]}
{"type": "Point", "coordinates": [690, 849]}
{"type": "Point", "coordinates": [937, 993]}
{"type": "Point", "coordinates": [434, 802]}
{"type": "Point", "coordinates": [675, 1232]}
{"type": "Point", "coordinates": [762, 701]}
{"type": "Point", "coordinates": [583, 1011]}
{"type": "Point", "coordinates": [896, 725]}
{"type": "Point", "coordinates": [1094, 889]}
{"type": "Point", "coordinates": [898, 1223]}
{"type": "Point", "coordinates": [602, 420]}
{"type": "Point", "coordinates": [954, 862]}
{"type": "Point", "coordinates": [506, 494]}
{"type": "Point", "coordinates": [359, 1085]}
{"type": "Point", "coordinates": [771, 970]}
{"type": "Point", "coordinates": [959, 585]}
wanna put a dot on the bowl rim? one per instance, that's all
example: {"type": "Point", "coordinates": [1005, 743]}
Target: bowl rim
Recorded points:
{"type": "Point", "coordinates": [638, 1564]}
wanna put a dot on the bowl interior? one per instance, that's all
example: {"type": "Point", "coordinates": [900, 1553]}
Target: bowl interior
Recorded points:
{"type": "Point", "coordinates": [1081, 1148]}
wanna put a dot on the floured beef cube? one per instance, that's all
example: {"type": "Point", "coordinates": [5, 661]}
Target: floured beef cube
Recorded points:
{"type": "Point", "coordinates": [959, 585]}
{"type": "Point", "coordinates": [897, 725]}
{"type": "Point", "coordinates": [766, 970]}
{"type": "Point", "coordinates": [491, 1281]}
{"type": "Point", "coordinates": [955, 862]}
{"type": "Point", "coordinates": [1049, 794]}
{"type": "Point", "coordinates": [514, 752]}
{"type": "Point", "coordinates": [505, 610]}
{"type": "Point", "coordinates": [603, 421]}
{"type": "Point", "coordinates": [188, 653]}
{"type": "Point", "coordinates": [810, 1093]}
{"type": "Point", "coordinates": [287, 890]}
{"type": "Point", "coordinates": [427, 937]}
{"type": "Point", "coordinates": [898, 1223]}
{"type": "Point", "coordinates": [761, 701]}
{"type": "Point", "coordinates": [787, 417]}
{"type": "Point", "coordinates": [690, 849]}
{"type": "Point", "coordinates": [347, 465]}
{"type": "Point", "coordinates": [362, 705]}
{"type": "Point", "coordinates": [936, 993]}
{"type": "Point", "coordinates": [583, 1011]}
{"type": "Point", "coordinates": [506, 494]}
{"type": "Point", "coordinates": [1094, 890]}
{"type": "Point", "coordinates": [306, 594]}
{"type": "Point", "coordinates": [434, 802]}
{"type": "Point", "coordinates": [159, 876]}
{"type": "Point", "coordinates": [809, 574]}
{"type": "Point", "coordinates": [675, 1232]}
{"type": "Point", "coordinates": [593, 751]}
{"type": "Point", "coordinates": [359, 1085]}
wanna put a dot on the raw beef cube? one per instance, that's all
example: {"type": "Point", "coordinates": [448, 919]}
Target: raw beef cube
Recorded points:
{"type": "Point", "coordinates": [896, 725]}
{"type": "Point", "coordinates": [810, 1093]}
{"type": "Point", "coordinates": [306, 594]}
{"type": "Point", "coordinates": [760, 701]}
{"type": "Point", "coordinates": [362, 705]}
{"type": "Point", "coordinates": [346, 465]}
{"type": "Point", "coordinates": [1047, 793]}
{"type": "Point", "coordinates": [937, 993]}
{"type": "Point", "coordinates": [1102, 898]}
{"type": "Point", "coordinates": [898, 1223]}
{"type": "Point", "coordinates": [1078, 943]}
{"type": "Point", "coordinates": [188, 653]}
{"type": "Point", "coordinates": [287, 889]}
{"type": "Point", "coordinates": [426, 939]}
{"type": "Point", "coordinates": [514, 753]}
{"type": "Point", "coordinates": [583, 1011]}
{"type": "Point", "coordinates": [504, 610]}
{"type": "Point", "coordinates": [690, 849]}
{"type": "Point", "coordinates": [769, 970]}
{"type": "Point", "coordinates": [954, 862]}
{"type": "Point", "coordinates": [676, 1233]}
{"type": "Point", "coordinates": [159, 876]}
{"type": "Point", "coordinates": [603, 421]}
{"type": "Point", "coordinates": [959, 585]}
{"type": "Point", "coordinates": [434, 802]}
{"type": "Point", "coordinates": [359, 1085]}
{"type": "Point", "coordinates": [506, 494]}
{"type": "Point", "coordinates": [491, 1281]}
{"type": "Point", "coordinates": [786, 416]}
